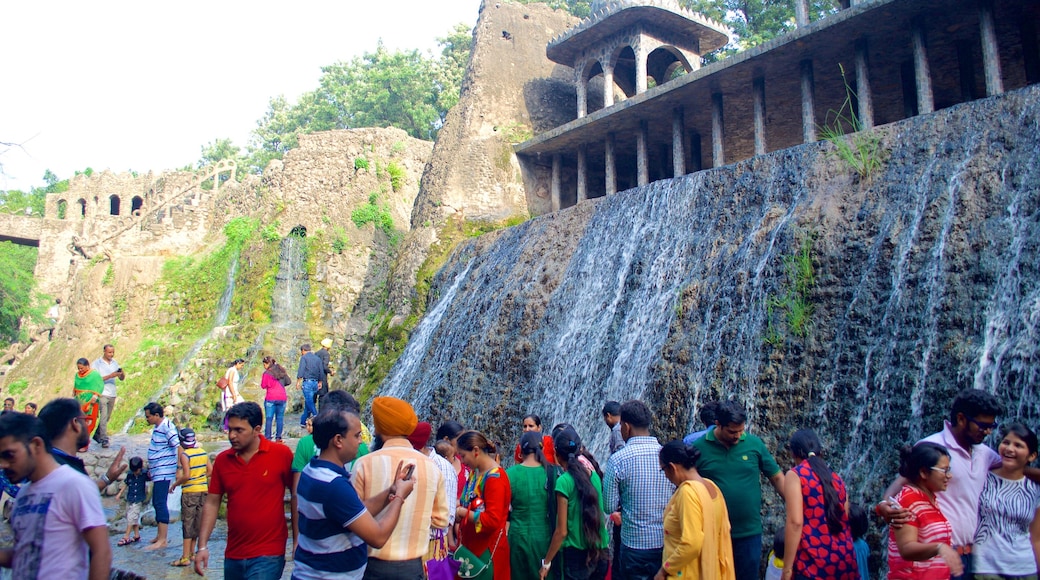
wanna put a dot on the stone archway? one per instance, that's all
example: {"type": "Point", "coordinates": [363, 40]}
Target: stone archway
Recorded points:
{"type": "Point", "coordinates": [82, 203]}
{"type": "Point", "coordinates": [113, 205]}
{"type": "Point", "coordinates": [624, 64]}
{"type": "Point", "coordinates": [665, 63]}
{"type": "Point", "coordinates": [135, 205]}
{"type": "Point", "coordinates": [63, 209]}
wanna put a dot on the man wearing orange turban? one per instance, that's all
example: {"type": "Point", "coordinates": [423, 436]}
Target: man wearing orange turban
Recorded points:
{"type": "Point", "coordinates": [425, 508]}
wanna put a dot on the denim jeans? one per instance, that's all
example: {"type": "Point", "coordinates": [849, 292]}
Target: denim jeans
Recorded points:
{"type": "Point", "coordinates": [747, 557]}
{"type": "Point", "coordinates": [640, 564]}
{"type": "Point", "coordinates": [394, 569]}
{"type": "Point", "coordinates": [310, 390]}
{"type": "Point", "coordinates": [969, 567]}
{"type": "Point", "coordinates": [274, 410]}
{"type": "Point", "coordinates": [161, 489]}
{"type": "Point", "coordinates": [259, 568]}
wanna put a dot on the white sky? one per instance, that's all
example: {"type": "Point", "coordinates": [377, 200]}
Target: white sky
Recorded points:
{"type": "Point", "coordinates": [120, 85]}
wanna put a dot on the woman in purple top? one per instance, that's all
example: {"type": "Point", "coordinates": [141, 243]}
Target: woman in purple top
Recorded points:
{"type": "Point", "coordinates": [273, 381]}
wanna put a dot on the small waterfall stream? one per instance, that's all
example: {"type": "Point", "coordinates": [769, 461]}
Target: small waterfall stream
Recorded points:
{"type": "Point", "coordinates": [223, 309]}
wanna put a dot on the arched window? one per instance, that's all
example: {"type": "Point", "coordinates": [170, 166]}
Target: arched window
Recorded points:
{"type": "Point", "coordinates": [113, 205]}
{"type": "Point", "coordinates": [135, 205]}
{"type": "Point", "coordinates": [82, 207]}
{"type": "Point", "coordinates": [63, 208]}
{"type": "Point", "coordinates": [666, 63]}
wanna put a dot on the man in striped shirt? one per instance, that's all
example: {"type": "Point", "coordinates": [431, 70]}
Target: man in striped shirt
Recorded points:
{"type": "Point", "coordinates": [335, 524]}
{"type": "Point", "coordinates": [162, 467]}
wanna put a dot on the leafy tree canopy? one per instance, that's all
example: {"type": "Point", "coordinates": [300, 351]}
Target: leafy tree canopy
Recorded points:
{"type": "Point", "coordinates": [32, 202]}
{"type": "Point", "coordinates": [17, 296]}
{"type": "Point", "coordinates": [755, 21]}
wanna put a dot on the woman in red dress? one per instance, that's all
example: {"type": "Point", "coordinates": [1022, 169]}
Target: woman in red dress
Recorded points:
{"type": "Point", "coordinates": [483, 510]}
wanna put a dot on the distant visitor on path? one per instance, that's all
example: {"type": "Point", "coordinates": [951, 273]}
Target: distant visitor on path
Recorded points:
{"type": "Point", "coordinates": [59, 527]}
{"type": "Point", "coordinates": [110, 370]}
{"type": "Point", "coordinates": [87, 388]}
{"type": "Point", "coordinates": [254, 474]}
{"type": "Point", "coordinates": [53, 316]}
{"type": "Point", "coordinates": [326, 364]}
{"type": "Point", "coordinates": [273, 382]}
{"type": "Point", "coordinates": [309, 376]}
{"type": "Point", "coordinates": [233, 378]}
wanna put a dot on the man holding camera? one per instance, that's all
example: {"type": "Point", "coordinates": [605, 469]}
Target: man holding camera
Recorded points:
{"type": "Point", "coordinates": [109, 370]}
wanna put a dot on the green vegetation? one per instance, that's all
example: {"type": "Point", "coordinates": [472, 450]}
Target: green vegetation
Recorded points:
{"type": "Point", "coordinates": [861, 151]}
{"type": "Point", "coordinates": [515, 132]}
{"type": "Point", "coordinates": [754, 21]}
{"type": "Point", "coordinates": [794, 305]}
{"type": "Point", "coordinates": [110, 275]}
{"type": "Point", "coordinates": [18, 297]}
{"type": "Point", "coordinates": [397, 148]}
{"type": "Point", "coordinates": [340, 241]}
{"type": "Point", "coordinates": [372, 212]}
{"type": "Point", "coordinates": [17, 386]}
{"type": "Point", "coordinates": [360, 163]}
{"type": "Point", "coordinates": [397, 175]}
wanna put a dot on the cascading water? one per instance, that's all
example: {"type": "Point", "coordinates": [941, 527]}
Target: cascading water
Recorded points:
{"type": "Point", "coordinates": [927, 282]}
{"type": "Point", "coordinates": [223, 309]}
{"type": "Point", "coordinates": [289, 309]}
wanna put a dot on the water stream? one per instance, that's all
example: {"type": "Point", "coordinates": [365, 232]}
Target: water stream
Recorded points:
{"type": "Point", "coordinates": [223, 309]}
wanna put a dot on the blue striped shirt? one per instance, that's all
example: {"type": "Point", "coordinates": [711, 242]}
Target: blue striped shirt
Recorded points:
{"type": "Point", "coordinates": [327, 504]}
{"type": "Point", "coordinates": [162, 451]}
{"type": "Point", "coordinates": [634, 482]}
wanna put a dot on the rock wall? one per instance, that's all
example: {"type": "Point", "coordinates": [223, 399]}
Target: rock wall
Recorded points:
{"type": "Point", "coordinates": [473, 173]}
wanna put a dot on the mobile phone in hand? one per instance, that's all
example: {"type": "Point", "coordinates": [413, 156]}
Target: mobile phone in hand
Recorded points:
{"type": "Point", "coordinates": [409, 471]}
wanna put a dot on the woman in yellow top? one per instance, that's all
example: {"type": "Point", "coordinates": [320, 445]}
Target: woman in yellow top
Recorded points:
{"type": "Point", "coordinates": [193, 469]}
{"type": "Point", "coordinates": [696, 521]}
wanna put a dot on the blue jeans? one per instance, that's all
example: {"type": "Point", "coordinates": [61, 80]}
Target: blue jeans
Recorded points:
{"type": "Point", "coordinates": [310, 390]}
{"type": "Point", "coordinates": [640, 564]}
{"type": "Point", "coordinates": [747, 557]}
{"type": "Point", "coordinates": [161, 489]}
{"type": "Point", "coordinates": [274, 410]}
{"type": "Point", "coordinates": [969, 567]}
{"type": "Point", "coordinates": [259, 568]}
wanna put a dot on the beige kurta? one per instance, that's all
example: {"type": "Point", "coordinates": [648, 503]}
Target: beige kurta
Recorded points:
{"type": "Point", "coordinates": [696, 534]}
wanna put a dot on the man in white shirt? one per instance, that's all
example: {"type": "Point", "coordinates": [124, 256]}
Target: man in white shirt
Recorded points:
{"type": "Point", "coordinates": [109, 370]}
{"type": "Point", "coordinates": [59, 526]}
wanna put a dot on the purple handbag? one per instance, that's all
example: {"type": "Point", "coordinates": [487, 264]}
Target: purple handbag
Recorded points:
{"type": "Point", "coordinates": [441, 566]}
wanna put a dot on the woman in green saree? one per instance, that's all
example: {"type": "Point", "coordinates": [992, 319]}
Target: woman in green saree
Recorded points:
{"type": "Point", "coordinates": [87, 390]}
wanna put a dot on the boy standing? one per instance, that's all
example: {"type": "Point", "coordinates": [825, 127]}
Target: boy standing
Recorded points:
{"type": "Point", "coordinates": [193, 470]}
{"type": "Point", "coordinates": [136, 494]}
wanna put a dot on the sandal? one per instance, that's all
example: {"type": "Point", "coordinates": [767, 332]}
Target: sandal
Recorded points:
{"type": "Point", "coordinates": [126, 541]}
{"type": "Point", "coordinates": [181, 562]}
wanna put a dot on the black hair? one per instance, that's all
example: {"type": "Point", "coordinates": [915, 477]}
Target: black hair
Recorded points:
{"type": "Point", "coordinates": [449, 430]}
{"type": "Point", "coordinates": [558, 428]}
{"type": "Point", "coordinates": [974, 402]}
{"type": "Point", "coordinates": [707, 413]}
{"type": "Point", "coordinates": [249, 411]}
{"type": "Point", "coordinates": [779, 543]}
{"type": "Point", "coordinates": [83, 361]}
{"type": "Point", "coordinates": [55, 417]}
{"type": "Point", "coordinates": [636, 414]}
{"type": "Point", "coordinates": [331, 421]}
{"type": "Point", "coordinates": [859, 523]}
{"type": "Point", "coordinates": [136, 463]}
{"type": "Point", "coordinates": [611, 408]}
{"type": "Point", "coordinates": [537, 420]}
{"type": "Point", "coordinates": [9, 399]}
{"type": "Point", "coordinates": [805, 444]}
{"type": "Point", "coordinates": [31, 404]}
{"type": "Point", "coordinates": [531, 442]}
{"type": "Point", "coordinates": [921, 456]}
{"type": "Point", "coordinates": [1023, 432]}
{"type": "Point", "coordinates": [154, 408]}
{"type": "Point", "coordinates": [237, 360]}
{"type": "Point", "coordinates": [568, 447]}
{"type": "Point", "coordinates": [342, 400]}
{"type": "Point", "coordinates": [305, 347]}
{"type": "Point", "coordinates": [679, 453]}
{"type": "Point", "coordinates": [471, 440]}
{"type": "Point", "coordinates": [24, 428]}
{"type": "Point", "coordinates": [730, 413]}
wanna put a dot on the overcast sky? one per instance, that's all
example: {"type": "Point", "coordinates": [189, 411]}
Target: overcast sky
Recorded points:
{"type": "Point", "coordinates": [121, 85]}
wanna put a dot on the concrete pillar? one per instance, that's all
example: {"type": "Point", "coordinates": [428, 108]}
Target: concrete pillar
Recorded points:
{"type": "Point", "coordinates": [583, 173]}
{"type": "Point", "coordinates": [611, 170]}
{"type": "Point", "coordinates": [922, 76]}
{"type": "Point", "coordinates": [583, 98]}
{"type": "Point", "coordinates": [801, 13]}
{"type": "Point", "coordinates": [641, 57]}
{"type": "Point", "coordinates": [758, 95]}
{"type": "Point", "coordinates": [808, 103]}
{"type": "Point", "coordinates": [718, 153]}
{"type": "Point", "coordinates": [608, 86]}
{"type": "Point", "coordinates": [864, 98]}
{"type": "Point", "coordinates": [678, 142]}
{"type": "Point", "coordinates": [557, 179]}
{"type": "Point", "coordinates": [990, 50]}
{"type": "Point", "coordinates": [642, 173]}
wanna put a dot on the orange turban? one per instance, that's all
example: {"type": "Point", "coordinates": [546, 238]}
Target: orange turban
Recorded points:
{"type": "Point", "coordinates": [393, 417]}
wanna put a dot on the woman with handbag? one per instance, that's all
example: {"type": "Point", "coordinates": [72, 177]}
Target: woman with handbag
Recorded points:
{"type": "Point", "coordinates": [87, 388]}
{"type": "Point", "coordinates": [232, 378]}
{"type": "Point", "coordinates": [273, 382]}
{"type": "Point", "coordinates": [532, 519]}
{"type": "Point", "coordinates": [483, 512]}
{"type": "Point", "coordinates": [581, 530]}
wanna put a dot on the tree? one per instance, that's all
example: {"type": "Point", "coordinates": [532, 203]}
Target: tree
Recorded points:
{"type": "Point", "coordinates": [755, 21]}
{"type": "Point", "coordinates": [17, 297]}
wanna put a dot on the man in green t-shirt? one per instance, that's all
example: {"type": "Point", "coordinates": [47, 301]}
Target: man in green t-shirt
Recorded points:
{"type": "Point", "coordinates": [733, 459]}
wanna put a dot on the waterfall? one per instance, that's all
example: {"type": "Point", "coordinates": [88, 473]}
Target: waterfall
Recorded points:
{"type": "Point", "coordinates": [928, 282]}
{"type": "Point", "coordinates": [288, 329]}
{"type": "Point", "coordinates": [223, 309]}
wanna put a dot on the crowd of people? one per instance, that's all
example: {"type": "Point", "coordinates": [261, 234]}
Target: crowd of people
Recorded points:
{"type": "Point", "coordinates": [405, 500]}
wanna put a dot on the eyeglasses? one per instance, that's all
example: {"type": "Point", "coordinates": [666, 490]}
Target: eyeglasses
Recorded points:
{"type": "Point", "coordinates": [945, 470]}
{"type": "Point", "coordinates": [984, 426]}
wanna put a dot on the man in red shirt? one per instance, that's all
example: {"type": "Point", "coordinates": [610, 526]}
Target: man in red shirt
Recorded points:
{"type": "Point", "coordinates": [254, 474]}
